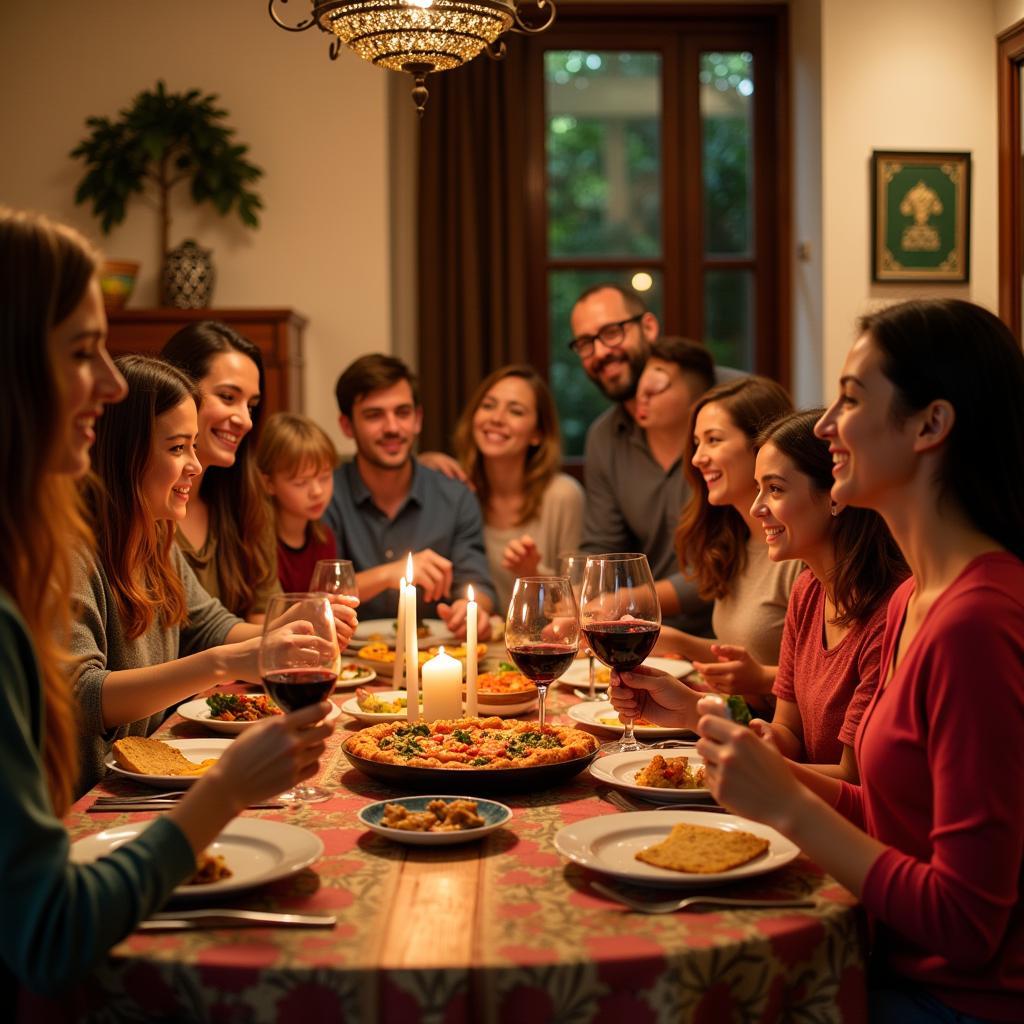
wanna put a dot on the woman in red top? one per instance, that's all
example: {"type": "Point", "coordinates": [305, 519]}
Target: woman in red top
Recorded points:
{"type": "Point", "coordinates": [928, 429]}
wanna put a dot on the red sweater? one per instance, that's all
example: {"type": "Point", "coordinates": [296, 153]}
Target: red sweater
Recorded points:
{"type": "Point", "coordinates": [831, 687]}
{"type": "Point", "coordinates": [941, 756]}
{"type": "Point", "coordinates": [295, 565]}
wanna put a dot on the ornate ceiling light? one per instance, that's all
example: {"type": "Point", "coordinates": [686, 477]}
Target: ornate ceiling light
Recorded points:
{"type": "Point", "coordinates": [421, 36]}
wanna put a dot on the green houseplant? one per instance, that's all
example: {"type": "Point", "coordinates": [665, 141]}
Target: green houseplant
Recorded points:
{"type": "Point", "coordinates": [160, 141]}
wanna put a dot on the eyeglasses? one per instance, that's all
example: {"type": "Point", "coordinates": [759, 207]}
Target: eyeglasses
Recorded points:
{"type": "Point", "coordinates": [610, 336]}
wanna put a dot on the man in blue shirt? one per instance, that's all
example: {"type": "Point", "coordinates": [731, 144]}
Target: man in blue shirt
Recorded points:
{"type": "Point", "coordinates": [386, 505]}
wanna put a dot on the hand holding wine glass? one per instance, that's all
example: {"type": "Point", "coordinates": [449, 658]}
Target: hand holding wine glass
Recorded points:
{"type": "Point", "coordinates": [542, 631]}
{"type": "Point", "coordinates": [620, 616]}
{"type": "Point", "coordinates": [336, 577]}
{"type": "Point", "coordinates": [298, 663]}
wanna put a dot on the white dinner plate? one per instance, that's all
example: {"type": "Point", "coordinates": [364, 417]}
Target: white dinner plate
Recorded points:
{"type": "Point", "coordinates": [437, 632]}
{"type": "Point", "coordinates": [353, 674]}
{"type": "Point", "coordinates": [621, 770]}
{"type": "Point", "coordinates": [256, 850]}
{"type": "Point", "coordinates": [494, 814]}
{"type": "Point", "coordinates": [578, 673]}
{"type": "Point", "coordinates": [194, 750]}
{"type": "Point", "coordinates": [609, 844]}
{"type": "Point", "coordinates": [198, 711]}
{"type": "Point", "coordinates": [590, 712]}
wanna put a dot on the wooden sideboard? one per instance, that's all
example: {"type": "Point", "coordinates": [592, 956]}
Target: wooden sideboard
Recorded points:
{"type": "Point", "coordinates": [276, 332]}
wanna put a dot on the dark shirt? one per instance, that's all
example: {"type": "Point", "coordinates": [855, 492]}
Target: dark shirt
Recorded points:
{"type": "Point", "coordinates": [295, 565]}
{"type": "Point", "coordinates": [437, 513]}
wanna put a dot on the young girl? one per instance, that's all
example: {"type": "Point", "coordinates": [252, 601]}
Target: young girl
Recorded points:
{"type": "Point", "coordinates": [227, 534]}
{"type": "Point", "coordinates": [147, 634]}
{"type": "Point", "coordinates": [928, 430]}
{"type": "Point", "coordinates": [721, 545]}
{"type": "Point", "coordinates": [297, 461]}
{"type": "Point", "coordinates": [61, 918]}
{"type": "Point", "coordinates": [508, 442]}
{"type": "Point", "coordinates": [831, 640]}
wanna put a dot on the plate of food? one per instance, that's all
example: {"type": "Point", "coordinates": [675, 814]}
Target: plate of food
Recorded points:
{"type": "Point", "coordinates": [247, 853]}
{"type": "Point", "coordinates": [675, 848]}
{"type": "Point", "coordinates": [600, 715]}
{"type": "Point", "coordinates": [232, 713]}
{"type": "Point", "coordinates": [164, 764]}
{"type": "Point", "coordinates": [429, 631]}
{"type": "Point", "coordinates": [651, 775]}
{"type": "Point", "coordinates": [578, 673]}
{"type": "Point", "coordinates": [504, 686]}
{"type": "Point", "coordinates": [483, 754]}
{"type": "Point", "coordinates": [378, 706]}
{"type": "Point", "coordinates": [381, 655]}
{"type": "Point", "coordinates": [435, 820]}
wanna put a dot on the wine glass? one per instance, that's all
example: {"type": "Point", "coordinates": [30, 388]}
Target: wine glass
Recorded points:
{"type": "Point", "coordinates": [620, 616]}
{"type": "Point", "coordinates": [542, 630]}
{"type": "Point", "coordinates": [334, 576]}
{"type": "Point", "coordinates": [573, 564]}
{"type": "Point", "coordinates": [298, 662]}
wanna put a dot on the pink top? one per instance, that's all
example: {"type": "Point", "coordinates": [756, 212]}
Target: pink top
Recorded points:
{"type": "Point", "coordinates": [941, 756]}
{"type": "Point", "coordinates": [831, 687]}
{"type": "Point", "coordinates": [295, 565]}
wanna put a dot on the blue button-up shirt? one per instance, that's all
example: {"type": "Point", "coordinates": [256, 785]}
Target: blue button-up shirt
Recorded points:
{"type": "Point", "coordinates": [438, 513]}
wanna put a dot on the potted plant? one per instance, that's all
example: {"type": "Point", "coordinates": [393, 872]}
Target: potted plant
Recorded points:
{"type": "Point", "coordinates": [157, 143]}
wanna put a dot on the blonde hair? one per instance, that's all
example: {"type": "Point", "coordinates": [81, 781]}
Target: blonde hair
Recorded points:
{"type": "Point", "coordinates": [45, 270]}
{"type": "Point", "coordinates": [288, 443]}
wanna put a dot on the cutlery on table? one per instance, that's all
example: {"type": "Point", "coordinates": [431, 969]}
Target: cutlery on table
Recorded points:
{"type": "Point", "coordinates": [113, 806]}
{"type": "Point", "coordinates": [164, 794]}
{"type": "Point", "coordinates": [208, 917]}
{"type": "Point", "coordinates": [625, 803]}
{"type": "Point", "coordinates": [670, 906]}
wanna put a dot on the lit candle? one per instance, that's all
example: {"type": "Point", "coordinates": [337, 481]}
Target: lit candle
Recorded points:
{"type": "Point", "coordinates": [471, 607]}
{"type": "Point", "coordinates": [412, 647]}
{"type": "Point", "coordinates": [399, 675]}
{"type": "Point", "coordinates": [442, 687]}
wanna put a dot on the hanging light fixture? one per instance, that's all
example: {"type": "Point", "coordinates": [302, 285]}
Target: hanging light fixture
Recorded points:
{"type": "Point", "coordinates": [420, 36]}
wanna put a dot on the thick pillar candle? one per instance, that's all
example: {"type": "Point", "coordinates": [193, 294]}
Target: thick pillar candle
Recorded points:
{"type": "Point", "coordinates": [442, 688]}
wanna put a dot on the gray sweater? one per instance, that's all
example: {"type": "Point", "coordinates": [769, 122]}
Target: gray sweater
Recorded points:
{"type": "Point", "coordinates": [99, 646]}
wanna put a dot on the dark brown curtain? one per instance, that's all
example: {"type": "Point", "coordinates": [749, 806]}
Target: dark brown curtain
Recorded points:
{"type": "Point", "coordinates": [472, 234]}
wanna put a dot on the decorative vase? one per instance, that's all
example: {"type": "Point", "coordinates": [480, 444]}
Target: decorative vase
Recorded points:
{"type": "Point", "coordinates": [117, 279]}
{"type": "Point", "coordinates": [187, 281]}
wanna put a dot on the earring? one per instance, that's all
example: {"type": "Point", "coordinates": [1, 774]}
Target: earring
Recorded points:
{"type": "Point", "coordinates": [834, 510]}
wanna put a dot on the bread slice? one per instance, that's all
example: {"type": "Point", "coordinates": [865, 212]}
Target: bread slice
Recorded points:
{"type": "Point", "coordinates": [702, 850]}
{"type": "Point", "coordinates": [154, 757]}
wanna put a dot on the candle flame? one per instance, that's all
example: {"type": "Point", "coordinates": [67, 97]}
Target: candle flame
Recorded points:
{"type": "Point", "coordinates": [408, 568]}
{"type": "Point", "coordinates": [469, 593]}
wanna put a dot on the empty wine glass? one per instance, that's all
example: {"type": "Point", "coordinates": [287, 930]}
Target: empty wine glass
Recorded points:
{"type": "Point", "coordinates": [542, 630]}
{"type": "Point", "coordinates": [298, 662]}
{"type": "Point", "coordinates": [334, 576]}
{"type": "Point", "coordinates": [573, 564]}
{"type": "Point", "coordinates": [620, 616]}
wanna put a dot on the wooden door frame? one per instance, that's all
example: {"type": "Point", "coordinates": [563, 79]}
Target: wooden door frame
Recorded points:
{"type": "Point", "coordinates": [1010, 51]}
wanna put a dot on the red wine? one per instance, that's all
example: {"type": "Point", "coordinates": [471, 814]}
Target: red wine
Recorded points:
{"type": "Point", "coordinates": [298, 688]}
{"type": "Point", "coordinates": [621, 645]}
{"type": "Point", "coordinates": [543, 663]}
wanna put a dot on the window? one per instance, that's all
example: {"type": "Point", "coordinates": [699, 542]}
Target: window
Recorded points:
{"type": "Point", "coordinates": [657, 160]}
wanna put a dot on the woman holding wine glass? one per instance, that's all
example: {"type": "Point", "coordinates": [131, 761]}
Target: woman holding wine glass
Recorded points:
{"type": "Point", "coordinates": [620, 616]}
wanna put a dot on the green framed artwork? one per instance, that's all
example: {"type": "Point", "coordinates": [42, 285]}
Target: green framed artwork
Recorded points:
{"type": "Point", "coordinates": [921, 223]}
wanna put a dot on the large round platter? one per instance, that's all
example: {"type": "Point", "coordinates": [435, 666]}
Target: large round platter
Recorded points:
{"type": "Point", "coordinates": [256, 850]}
{"type": "Point", "coordinates": [195, 750]}
{"type": "Point", "coordinates": [494, 814]}
{"type": "Point", "coordinates": [198, 711]}
{"type": "Point", "coordinates": [578, 673]}
{"type": "Point", "coordinates": [608, 844]}
{"type": "Point", "coordinates": [590, 713]}
{"type": "Point", "coordinates": [620, 771]}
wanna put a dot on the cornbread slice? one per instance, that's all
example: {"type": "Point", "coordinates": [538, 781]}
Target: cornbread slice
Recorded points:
{"type": "Point", "coordinates": [703, 851]}
{"type": "Point", "coordinates": [154, 757]}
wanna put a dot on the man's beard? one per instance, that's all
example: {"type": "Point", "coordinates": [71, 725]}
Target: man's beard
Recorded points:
{"type": "Point", "coordinates": [369, 454]}
{"type": "Point", "coordinates": [636, 360]}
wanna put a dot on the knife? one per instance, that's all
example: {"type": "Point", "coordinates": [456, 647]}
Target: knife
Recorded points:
{"type": "Point", "coordinates": [210, 917]}
{"type": "Point", "coordinates": [115, 806]}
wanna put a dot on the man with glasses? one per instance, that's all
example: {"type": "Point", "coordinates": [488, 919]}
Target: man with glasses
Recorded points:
{"type": "Point", "coordinates": [633, 501]}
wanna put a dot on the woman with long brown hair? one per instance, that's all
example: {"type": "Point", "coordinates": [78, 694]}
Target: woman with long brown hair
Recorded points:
{"type": "Point", "coordinates": [60, 918]}
{"type": "Point", "coordinates": [227, 534]}
{"type": "Point", "coordinates": [509, 445]}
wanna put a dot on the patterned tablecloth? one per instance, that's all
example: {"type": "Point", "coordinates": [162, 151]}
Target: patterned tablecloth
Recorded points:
{"type": "Point", "coordinates": [500, 930]}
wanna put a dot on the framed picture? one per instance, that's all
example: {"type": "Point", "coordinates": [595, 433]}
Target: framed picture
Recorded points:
{"type": "Point", "coordinates": [921, 216]}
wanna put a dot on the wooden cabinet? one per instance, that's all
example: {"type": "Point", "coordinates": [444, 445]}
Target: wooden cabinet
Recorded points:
{"type": "Point", "coordinates": [276, 332]}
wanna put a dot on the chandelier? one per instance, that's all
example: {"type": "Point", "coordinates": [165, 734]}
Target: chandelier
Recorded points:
{"type": "Point", "coordinates": [420, 36]}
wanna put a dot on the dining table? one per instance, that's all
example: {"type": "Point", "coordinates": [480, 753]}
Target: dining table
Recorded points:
{"type": "Point", "coordinates": [498, 930]}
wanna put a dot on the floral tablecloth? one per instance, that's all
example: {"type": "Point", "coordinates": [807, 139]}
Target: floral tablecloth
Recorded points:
{"type": "Point", "coordinates": [497, 931]}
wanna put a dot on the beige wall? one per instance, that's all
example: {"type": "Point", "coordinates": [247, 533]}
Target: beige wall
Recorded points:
{"type": "Point", "coordinates": [1008, 12]}
{"type": "Point", "coordinates": [318, 129]}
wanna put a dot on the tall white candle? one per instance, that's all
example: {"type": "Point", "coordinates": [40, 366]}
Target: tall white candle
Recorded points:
{"type": "Point", "coordinates": [471, 612]}
{"type": "Point", "coordinates": [412, 648]}
{"type": "Point", "coordinates": [442, 687]}
{"type": "Point", "coordinates": [399, 675]}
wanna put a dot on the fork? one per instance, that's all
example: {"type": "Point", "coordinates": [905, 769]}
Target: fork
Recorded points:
{"type": "Point", "coordinates": [670, 906]}
{"type": "Point", "coordinates": [624, 803]}
{"type": "Point", "coordinates": [163, 795]}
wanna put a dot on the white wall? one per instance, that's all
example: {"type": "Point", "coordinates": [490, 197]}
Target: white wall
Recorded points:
{"type": "Point", "coordinates": [318, 128]}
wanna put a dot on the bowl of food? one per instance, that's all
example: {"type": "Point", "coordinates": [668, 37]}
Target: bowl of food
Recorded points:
{"type": "Point", "coordinates": [505, 686]}
{"type": "Point", "coordinates": [435, 820]}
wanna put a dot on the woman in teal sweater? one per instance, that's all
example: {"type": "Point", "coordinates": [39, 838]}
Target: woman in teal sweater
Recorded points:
{"type": "Point", "coordinates": [60, 918]}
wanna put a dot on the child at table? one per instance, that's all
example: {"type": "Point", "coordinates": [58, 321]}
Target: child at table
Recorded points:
{"type": "Point", "coordinates": [296, 460]}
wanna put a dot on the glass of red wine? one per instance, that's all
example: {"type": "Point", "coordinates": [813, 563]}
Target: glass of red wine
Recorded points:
{"type": "Point", "coordinates": [573, 564]}
{"type": "Point", "coordinates": [298, 663]}
{"type": "Point", "coordinates": [620, 616]}
{"type": "Point", "coordinates": [542, 630]}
